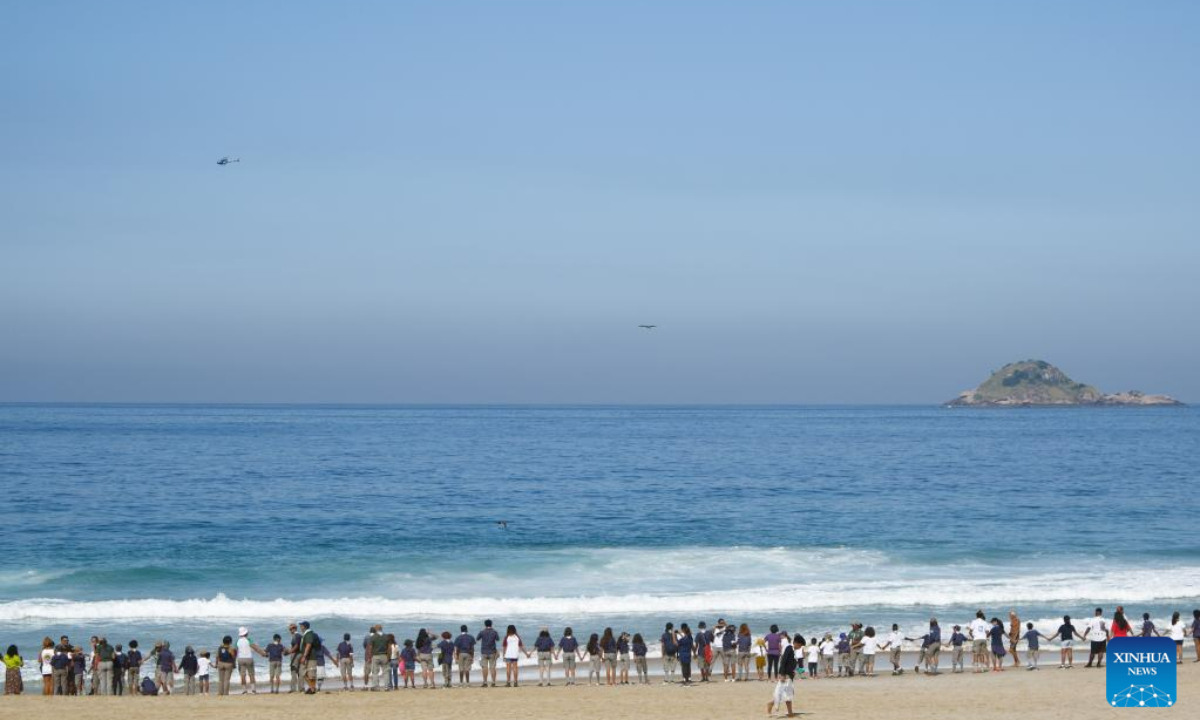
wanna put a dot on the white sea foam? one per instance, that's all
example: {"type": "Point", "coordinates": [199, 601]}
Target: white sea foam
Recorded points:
{"type": "Point", "coordinates": [950, 589]}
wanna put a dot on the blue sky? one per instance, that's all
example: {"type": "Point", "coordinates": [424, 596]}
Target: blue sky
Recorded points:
{"type": "Point", "coordinates": [479, 202]}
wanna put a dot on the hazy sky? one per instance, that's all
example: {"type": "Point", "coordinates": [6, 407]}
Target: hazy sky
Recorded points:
{"type": "Point", "coordinates": [479, 202]}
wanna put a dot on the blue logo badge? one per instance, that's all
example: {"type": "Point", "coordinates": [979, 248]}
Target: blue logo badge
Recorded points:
{"type": "Point", "coordinates": [1141, 672]}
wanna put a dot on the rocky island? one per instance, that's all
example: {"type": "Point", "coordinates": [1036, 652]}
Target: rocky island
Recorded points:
{"type": "Point", "coordinates": [1037, 382]}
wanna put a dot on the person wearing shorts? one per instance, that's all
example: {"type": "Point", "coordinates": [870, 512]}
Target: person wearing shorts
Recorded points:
{"type": "Point", "coordinates": [704, 644]}
{"type": "Point", "coordinates": [1095, 631]}
{"type": "Point", "coordinates": [544, 646]}
{"type": "Point", "coordinates": [623, 659]}
{"type": "Point", "coordinates": [488, 640]}
{"type": "Point", "coordinates": [245, 661]}
{"type": "Point", "coordinates": [464, 655]}
{"type": "Point", "coordinates": [669, 657]}
{"type": "Point", "coordinates": [978, 630]}
{"type": "Point", "coordinates": [275, 652]}
{"type": "Point", "coordinates": [568, 648]}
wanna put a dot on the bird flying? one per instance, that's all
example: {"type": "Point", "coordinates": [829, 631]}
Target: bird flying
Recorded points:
{"type": "Point", "coordinates": [226, 160]}
{"type": "Point", "coordinates": [647, 327]}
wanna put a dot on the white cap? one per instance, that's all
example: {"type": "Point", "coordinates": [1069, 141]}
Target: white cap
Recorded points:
{"type": "Point", "coordinates": [243, 632]}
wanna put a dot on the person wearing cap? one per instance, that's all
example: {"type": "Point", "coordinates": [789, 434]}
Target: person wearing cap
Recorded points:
{"type": "Point", "coordinates": [244, 651]}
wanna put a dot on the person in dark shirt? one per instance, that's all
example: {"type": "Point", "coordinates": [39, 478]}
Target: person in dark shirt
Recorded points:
{"type": "Point", "coordinates": [639, 658]}
{"type": "Point", "coordinates": [345, 661]}
{"type": "Point", "coordinates": [189, 665]}
{"type": "Point", "coordinates": [446, 657]}
{"type": "Point", "coordinates": [1066, 634]}
{"type": "Point", "coordinates": [544, 646]}
{"type": "Point", "coordinates": [166, 669]}
{"type": "Point", "coordinates": [488, 639]}
{"type": "Point", "coordinates": [408, 658]}
{"type": "Point", "coordinates": [133, 668]}
{"type": "Point", "coordinates": [683, 647]}
{"type": "Point", "coordinates": [464, 655]}
{"type": "Point", "coordinates": [275, 652]}
{"type": "Point", "coordinates": [785, 687]}
{"type": "Point", "coordinates": [568, 649]}
{"type": "Point", "coordinates": [670, 653]}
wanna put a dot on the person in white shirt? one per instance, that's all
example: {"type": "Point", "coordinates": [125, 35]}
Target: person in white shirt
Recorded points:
{"type": "Point", "coordinates": [1096, 632]}
{"type": "Point", "coordinates": [814, 659]}
{"type": "Point", "coordinates": [513, 647]}
{"type": "Point", "coordinates": [870, 646]}
{"type": "Point", "coordinates": [895, 640]}
{"type": "Point", "coordinates": [1175, 632]}
{"type": "Point", "coordinates": [47, 669]}
{"type": "Point", "coordinates": [978, 631]}
{"type": "Point", "coordinates": [203, 664]}
{"type": "Point", "coordinates": [245, 661]}
{"type": "Point", "coordinates": [828, 651]}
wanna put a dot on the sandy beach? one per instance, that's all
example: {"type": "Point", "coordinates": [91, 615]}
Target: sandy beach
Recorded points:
{"type": "Point", "coordinates": [1067, 694]}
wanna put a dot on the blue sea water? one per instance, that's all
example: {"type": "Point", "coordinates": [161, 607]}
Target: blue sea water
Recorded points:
{"type": "Point", "coordinates": [186, 521]}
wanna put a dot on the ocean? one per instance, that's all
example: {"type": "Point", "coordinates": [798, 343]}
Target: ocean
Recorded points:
{"type": "Point", "coordinates": [185, 521]}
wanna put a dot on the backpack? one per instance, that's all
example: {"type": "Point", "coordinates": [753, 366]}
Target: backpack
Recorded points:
{"type": "Point", "coordinates": [148, 687]}
{"type": "Point", "coordinates": [60, 661]}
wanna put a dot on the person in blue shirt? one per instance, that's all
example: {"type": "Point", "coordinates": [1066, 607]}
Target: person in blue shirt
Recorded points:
{"type": "Point", "coordinates": [446, 657]}
{"type": "Point", "coordinates": [996, 633]}
{"type": "Point", "coordinates": [670, 652]}
{"type": "Point", "coordinates": [1032, 638]}
{"type": "Point", "coordinates": [684, 647]}
{"type": "Point", "coordinates": [568, 650]}
{"type": "Point", "coordinates": [488, 639]}
{"type": "Point", "coordinates": [464, 654]}
{"type": "Point", "coordinates": [544, 647]}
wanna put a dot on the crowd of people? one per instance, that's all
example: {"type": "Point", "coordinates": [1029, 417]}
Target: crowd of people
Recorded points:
{"type": "Point", "coordinates": [728, 652]}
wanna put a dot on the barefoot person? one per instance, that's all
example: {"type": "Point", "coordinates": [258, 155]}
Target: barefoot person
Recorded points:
{"type": "Point", "coordinates": [978, 630]}
{"type": "Point", "coordinates": [488, 640]}
{"type": "Point", "coordinates": [1176, 632]}
{"type": "Point", "coordinates": [1066, 641]}
{"type": "Point", "coordinates": [785, 686]}
{"type": "Point", "coordinates": [568, 649]}
{"type": "Point", "coordinates": [513, 648]}
{"type": "Point", "coordinates": [464, 655]}
{"type": "Point", "coordinates": [1014, 636]}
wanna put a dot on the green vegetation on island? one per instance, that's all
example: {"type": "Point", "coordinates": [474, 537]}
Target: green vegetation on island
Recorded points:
{"type": "Point", "coordinates": [1037, 382]}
